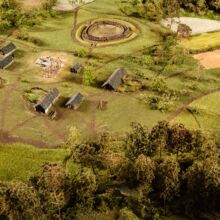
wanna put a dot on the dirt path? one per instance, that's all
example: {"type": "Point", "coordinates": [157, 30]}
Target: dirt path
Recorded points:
{"type": "Point", "coordinates": [5, 137]}
{"type": "Point", "coordinates": [20, 125]}
{"type": "Point", "coordinates": [5, 103]}
{"type": "Point", "coordinates": [54, 131]}
{"type": "Point", "coordinates": [76, 11]}
{"type": "Point", "coordinates": [188, 103]}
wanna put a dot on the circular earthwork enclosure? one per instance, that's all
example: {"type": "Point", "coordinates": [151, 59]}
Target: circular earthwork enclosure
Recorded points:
{"type": "Point", "coordinates": [105, 32]}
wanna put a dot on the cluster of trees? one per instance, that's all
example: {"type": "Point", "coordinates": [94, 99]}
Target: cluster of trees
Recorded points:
{"type": "Point", "coordinates": [13, 17]}
{"type": "Point", "coordinates": [157, 9]}
{"type": "Point", "coordinates": [144, 175]}
{"type": "Point", "coordinates": [200, 6]}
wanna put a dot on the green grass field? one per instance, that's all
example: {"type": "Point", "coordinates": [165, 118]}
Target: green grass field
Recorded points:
{"type": "Point", "coordinates": [19, 161]}
{"type": "Point", "coordinates": [203, 42]}
{"type": "Point", "coordinates": [207, 117]}
{"type": "Point", "coordinates": [19, 120]}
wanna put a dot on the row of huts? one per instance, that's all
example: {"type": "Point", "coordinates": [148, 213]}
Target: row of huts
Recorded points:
{"type": "Point", "coordinates": [47, 102]}
{"type": "Point", "coordinates": [7, 55]}
{"type": "Point", "coordinates": [113, 83]}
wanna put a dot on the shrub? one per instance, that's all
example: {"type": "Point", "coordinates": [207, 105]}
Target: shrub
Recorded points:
{"type": "Point", "coordinates": [81, 53]}
{"type": "Point", "coordinates": [88, 76]}
{"type": "Point", "coordinates": [155, 102]}
{"type": "Point", "coordinates": [127, 214]}
{"type": "Point", "coordinates": [158, 84]}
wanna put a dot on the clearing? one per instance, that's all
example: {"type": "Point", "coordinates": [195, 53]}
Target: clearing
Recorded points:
{"type": "Point", "coordinates": [209, 60]}
{"type": "Point", "coordinates": [19, 123]}
{"type": "Point", "coordinates": [198, 25]}
{"type": "Point", "coordinates": [30, 4]}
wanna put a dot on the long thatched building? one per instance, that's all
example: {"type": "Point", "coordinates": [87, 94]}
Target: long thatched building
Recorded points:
{"type": "Point", "coordinates": [8, 49]}
{"type": "Point", "coordinates": [6, 62]}
{"type": "Point", "coordinates": [115, 80]}
{"type": "Point", "coordinates": [46, 103]}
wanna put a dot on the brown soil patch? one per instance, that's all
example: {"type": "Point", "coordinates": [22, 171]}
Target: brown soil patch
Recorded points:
{"type": "Point", "coordinates": [209, 60]}
{"type": "Point", "coordinates": [29, 4]}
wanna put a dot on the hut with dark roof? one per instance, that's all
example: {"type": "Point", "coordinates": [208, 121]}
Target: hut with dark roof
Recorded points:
{"type": "Point", "coordinates": [75, 101]}
{"type": "Point", "coordinates": [46, 103]}
{"type": "Point", "coordinates": [6, 62]}
{"type": "Point", "coordinates": [115, 80]}
{"type": "Point", "coordinates": [8, 49]}
{"type": "Point", "coordinates": [77, 68]}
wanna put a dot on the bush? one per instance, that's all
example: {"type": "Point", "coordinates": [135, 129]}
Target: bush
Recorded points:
{"type": "Point", "coordinates": [127, 214]}
{"type": "Point", "coordinates": [81, 53]}
{"type": "Point", "coordinates": [155, 102]}
{"type": "Point", "coordinates": [158, 84]}
{"type": "Point", "coordinates": [88, 76]}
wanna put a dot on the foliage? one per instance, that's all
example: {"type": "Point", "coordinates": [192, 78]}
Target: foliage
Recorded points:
{"type": "Point", "coordinates": [81, 53]}
{"type": "Point", "coordinates": [162, 103]}
{"type": "Point", "coordinates": [159, 85]}
{"type": "Point", "coordinates": [126, 214]}
{"type": "Point", "coordinates": [137, 142]}
{"type": "Point", "coordinates": [132, 184]}
{"type": "Point", "coordinates": [167, 181]}
{"type": "Point", "coordinates": [203, 185]}
{"type": "Point", "coordinates": [157, 9]}
{"type": "Point", "coordinates": [74, 137]}
{"type": "Point", "coordinates": [88, 76]}
{"type": "Point", "coordinates": [19, 201]}
{"type": "Point", "coordinates": [11, 16]}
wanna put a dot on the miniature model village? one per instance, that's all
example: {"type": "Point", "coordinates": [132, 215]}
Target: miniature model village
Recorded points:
{"type": "Point", "coordinates": [115, 68]}
{"type": "Point", "coordinates": [109, 109]}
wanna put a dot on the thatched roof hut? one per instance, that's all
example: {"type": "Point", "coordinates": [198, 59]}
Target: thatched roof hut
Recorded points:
{"type": "Point", "coordinates": [46, 103]}
{"type": "Point", "coordinates": [115, 80]}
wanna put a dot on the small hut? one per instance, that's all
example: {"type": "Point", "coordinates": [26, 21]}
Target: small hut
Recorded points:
{"type": "Point", "coordinates": [115, 80]}
{"type": "Point", "coordinates": [75, 101]}
{"type": "Point", "coordinates": [8, 49]}
{"type": "Point", "coordinates": [184, 31]}
{"type": "Point", "coordinates": [76, 68]}
{"type": "Point", "coordinates": [44, 105]}
{"type": "Point", "coordinates": [6, 62]}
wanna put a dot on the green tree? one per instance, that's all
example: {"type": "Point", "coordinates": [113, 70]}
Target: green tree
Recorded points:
{"type": "Point", "coordinates": [74, 137]}
{"type": "Point", "coordinates": [203, 186]}
{"type": "Point", "coordinates": [180, 139]}
{"type": "Point", "coordinates": [167, 182]}
{"type": "Point", "coordinates": [144, 169]}
{"type": "Point", "coordinates": [88, 76]}
{"type": "Point", "coordinates": [127, 214]}
{"type": "Point", "coordinates": [19, 201]}
{"type": "Point", "coordinates": [81, 189]}
{"type": "Point", "coordinates": [137, 142]}
{"type": "Point", "coordinates": [159, 137]}
{"type": "Point", "coordinates": [51, 187]}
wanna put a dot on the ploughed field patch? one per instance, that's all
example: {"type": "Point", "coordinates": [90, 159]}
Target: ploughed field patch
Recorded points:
{"type": "Point", "coordinates": [209, 60]}
{"type": "Point", "coordinates": [29, 4]}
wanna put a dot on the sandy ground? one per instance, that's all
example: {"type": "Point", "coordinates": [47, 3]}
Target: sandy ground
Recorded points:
{"type": "Point", "coordinates": [29, 4]}
{"type": "Point", "coordinates": [66, 58]}
{"type": "Point", "coordinates": [198, 25]}
{"type": "Point", "coordinates": [209, 60]}
{"type": "Point", "coordinates": [64, 5]}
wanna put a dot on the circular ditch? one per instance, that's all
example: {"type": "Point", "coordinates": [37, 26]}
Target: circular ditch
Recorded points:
{"type": "Point", "coordinates": [103, 32]}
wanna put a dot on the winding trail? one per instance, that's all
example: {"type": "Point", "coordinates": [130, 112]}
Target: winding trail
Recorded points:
{"type": "Point", "coordinates": [189, 102]}
{"type": "Point", "coordinates": [20, 125]}
{"type": "Point", "coordinates": [54, 131]}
